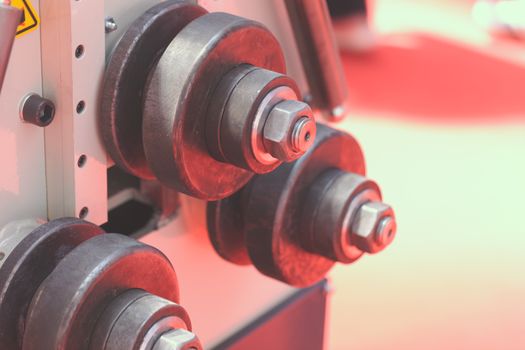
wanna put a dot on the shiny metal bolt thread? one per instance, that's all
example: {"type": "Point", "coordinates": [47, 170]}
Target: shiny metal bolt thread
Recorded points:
{"type": "Point", "coordinates": [110, 25]}
{"type": "Point", "coordinates": [374, 227]}
{"type": "Point", "coordinates": [303, 134]}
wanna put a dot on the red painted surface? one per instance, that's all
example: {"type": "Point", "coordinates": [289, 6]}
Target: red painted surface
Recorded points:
{"type": "Point", "coordinates": [436, 81]}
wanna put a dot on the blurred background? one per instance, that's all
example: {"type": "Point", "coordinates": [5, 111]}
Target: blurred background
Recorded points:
{"type": "Point", "coordinates": [439, 109]}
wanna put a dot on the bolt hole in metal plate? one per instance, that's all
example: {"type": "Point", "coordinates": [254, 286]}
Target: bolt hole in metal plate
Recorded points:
{"type": "Point", "coordinates": [68, 303]}
{"type": "Point", "coordinates": [127, 71]}
{"type": "Point", "coordinates": [33, 259]}
{"type": "Point", "coordinates": [273, 211]}
{"type": "Point", "coordinates": [175, 111]}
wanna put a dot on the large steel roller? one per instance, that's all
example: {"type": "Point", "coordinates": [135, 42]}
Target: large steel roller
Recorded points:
{"type": "Point", "coordinates": [200, 101]}
{"type": "Point", "coordinates": [67, 285]}
{"type": "Point", "coordinates": [294, 223]}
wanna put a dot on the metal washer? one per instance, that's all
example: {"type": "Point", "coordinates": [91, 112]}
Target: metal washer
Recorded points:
{"type": "Point", "coordinates": [120, 118]}
{"type": "Point", "coordinates": [175, 108]}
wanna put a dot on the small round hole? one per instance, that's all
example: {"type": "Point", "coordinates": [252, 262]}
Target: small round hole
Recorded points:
{"type": "Point", "coordinates": [307, 136]}
{"type": "Point", "coordinates": [82, 161]}
{"type": "Point", "coordinates": [79, 51]}
{"type": "Point", "coordinates": [83, 213]}
{"type": "Point", "coordinates": [81, 106]}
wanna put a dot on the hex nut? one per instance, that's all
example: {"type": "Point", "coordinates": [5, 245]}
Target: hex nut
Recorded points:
{"type": "Point", "coordinates": [373, 227]}
{"type": "Point", "coordinates": [178, 339]}
{"type": "Point", "coordinates": [283, 122]}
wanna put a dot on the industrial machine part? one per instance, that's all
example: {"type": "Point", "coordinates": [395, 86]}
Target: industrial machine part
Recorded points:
{"type": "Point", "coordinates": [200, 101]}
{"type": "Point", "coordinates": [296, 222]}
{"type": "Point", "coordinates": [9, 19]}
{"type": "Point", "coordinates": [68, 285]}
{"type": "Point", "coordinates": [321, 60]}
{"type": "Point", "coordinates": [183, 101]}
{"type": "Point", "coordinates": [37, 110]}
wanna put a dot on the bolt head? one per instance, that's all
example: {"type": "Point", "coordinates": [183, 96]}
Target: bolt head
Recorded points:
{"type": "Point", "coordinates": [289, 130]}
{"type": "Point", "coordinates": [374, 227]}
{"type": "Point", "coordinates": [37, 110]}
{"type": "Point", "coordinates": [110, 25]}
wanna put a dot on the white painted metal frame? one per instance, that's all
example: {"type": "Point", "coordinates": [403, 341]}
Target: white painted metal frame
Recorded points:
{"type": "Point", "coordinates": [22, 162]}
{"type": "Point", "coordinates": [73, 67]}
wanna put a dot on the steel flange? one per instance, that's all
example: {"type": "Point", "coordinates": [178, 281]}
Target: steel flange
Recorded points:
{"type": "Point", "coordinates": [120, 120]}
{"type": "Point", "coordinates": [28, 265]}
{"type": "Point", "coordinates": [176, 107]}
{"type": "Point", "coordinates": [67, 305]}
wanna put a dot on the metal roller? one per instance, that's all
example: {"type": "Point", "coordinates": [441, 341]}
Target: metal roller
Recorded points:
{"type": "Point", "coordinates": [28, 265]}
{"type": "Point", "coordinates": [176, 111]}
{"type": "Point", "coordinates": [297, 221]}
{"type": "Point", "coordinates": [67, 285]}
{"type": "Point", "coordinates": [203, 106]}
{"type": "Point", "coordinates": [127, 71]}
{"type": "Point", "coordinates": [68, 303]}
